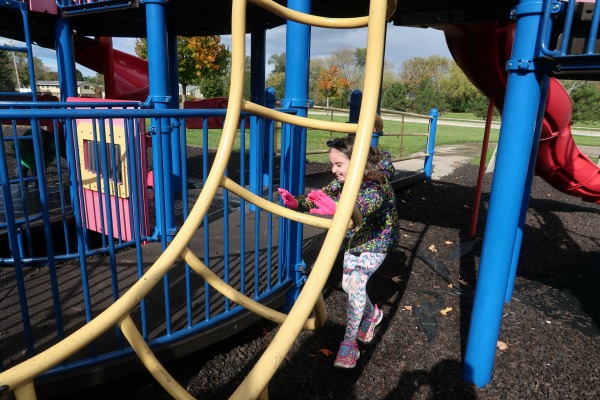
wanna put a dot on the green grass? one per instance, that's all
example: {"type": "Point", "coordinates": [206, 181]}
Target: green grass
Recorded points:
{"type": "Point", "coordinates": [446, 135]}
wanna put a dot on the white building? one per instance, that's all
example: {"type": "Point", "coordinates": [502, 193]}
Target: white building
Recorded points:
{"type": "Point", "coordinates": [84, 89]}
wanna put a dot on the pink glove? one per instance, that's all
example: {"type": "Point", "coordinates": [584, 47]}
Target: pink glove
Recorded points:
{"type": "Point", "coordinates": [288, 200]}
{"type": "Point", "coordinates": [324, 204]}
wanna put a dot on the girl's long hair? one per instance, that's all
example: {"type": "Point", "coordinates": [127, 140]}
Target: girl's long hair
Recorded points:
{"type": "Point", "coordinates": [345, 145]}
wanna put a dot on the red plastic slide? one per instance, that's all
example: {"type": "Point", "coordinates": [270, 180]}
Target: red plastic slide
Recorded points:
{"type": "Point", "coordinates": [481, 51]}
{"type": "Point", "coordinates": [125, 75]}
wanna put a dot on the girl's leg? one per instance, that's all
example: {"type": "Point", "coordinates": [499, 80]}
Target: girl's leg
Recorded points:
{"type": "Point", "coordinates": [357, 271]}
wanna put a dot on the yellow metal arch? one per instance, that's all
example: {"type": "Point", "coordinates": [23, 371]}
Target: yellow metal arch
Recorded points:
{"type": "Point", "coordinates": [19, 379]}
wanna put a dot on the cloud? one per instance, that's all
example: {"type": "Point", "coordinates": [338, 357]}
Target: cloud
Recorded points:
{"type": "Point", "coordinates": [402, 43]}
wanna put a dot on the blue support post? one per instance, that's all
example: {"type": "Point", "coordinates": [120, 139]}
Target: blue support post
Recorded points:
{"type": "Point", "coordinates": [156, 27]}
{"type": "Point", "coordinates": [257, 95]}
{"type": "Point", "coordinates": [354, 106]}
{"type": "Point", "coordinates": [293, 146]}
{"type": "Point", "coordinates": [65, 56]}
{"type": "Point", "coordinates": [530, 171]}
{"type": "Point", "coordinates": [428, 166]}
{"type": "Point", "coordinates": [515, 145]}
{"type": "Point", "coordinates": [174, 104]}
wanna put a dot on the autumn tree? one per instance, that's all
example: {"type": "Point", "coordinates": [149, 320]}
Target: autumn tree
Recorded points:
{"type": "Point", "coordinates": [199, 58]}
{"type": "Point", "coordinates": [317, 65]}
{"type": "Point", "coordinates": [330, 82]}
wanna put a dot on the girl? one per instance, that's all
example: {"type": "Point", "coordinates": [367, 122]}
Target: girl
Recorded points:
{"type": "Point", "coordinates": [366, 246]}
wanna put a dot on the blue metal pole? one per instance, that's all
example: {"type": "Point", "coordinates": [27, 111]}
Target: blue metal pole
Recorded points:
{"type": "Point", "coordinates": [65, 56]}
{"type": "Point", "coordinates": [156, 27]}
{"type": "Point", "coordinates": [257, 95]}
{"type": "Point", "coordinates": [534, 149]}
{"type": "Point", "coordinates": [508, 190]}
{"type": "Point", "coordinates": [293, 148]}
{"type": "Point", "coordinates": [428, 166]}
{"type": "Point", "coordinates": [354, 106]}
{"type": "Point", "coordinates": [174, 104]}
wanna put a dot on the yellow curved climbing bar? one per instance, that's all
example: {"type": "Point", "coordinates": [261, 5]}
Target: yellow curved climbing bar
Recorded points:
{"type": "Point", "coordinates": [258, 378]}
{"type": "Point", "coordinates": [19, 378]}
{"type": "Point", "coordinates": [314, 20]}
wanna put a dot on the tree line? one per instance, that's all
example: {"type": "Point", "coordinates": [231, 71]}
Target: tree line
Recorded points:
{"type": "Point", "coordinates": [420, 84]}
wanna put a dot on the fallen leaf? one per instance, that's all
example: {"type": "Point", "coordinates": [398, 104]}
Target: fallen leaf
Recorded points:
{"type": "Point", "coordinates": [432, 248]}
{"type": "Point", "coordinates": [448, 242]}
{"type": "Point", "coordinates": [463, 282]}
{"type": "Point", "coordinates": [450, 285]}
{"type": "Point", "coordinates": [445, 311]}
{"type": "Point", "coordinates": [501, 345]}
{"type": "Point", "coordinates": [408, 308]}
{"type": "Point", "coordinates": [405, 235]}
{"type": "Point", "coordinates": [397, 279]}
{"type": "Point", "coordinates": [326, 352]}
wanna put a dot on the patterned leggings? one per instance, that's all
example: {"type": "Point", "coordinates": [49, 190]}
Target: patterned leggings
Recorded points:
{"type": "Point", "coordinates": [357, 271]}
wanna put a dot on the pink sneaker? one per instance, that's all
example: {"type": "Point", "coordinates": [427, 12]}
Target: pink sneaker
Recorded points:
{"type": "Point", "coordinates": [366, 330]}
{"type": "Point", "coordinates": [347, 355]}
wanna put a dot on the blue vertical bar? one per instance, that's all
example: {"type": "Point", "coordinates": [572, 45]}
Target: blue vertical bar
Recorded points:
{"type": "Point", "coordinates": [507, 193]}
{"type": "Point", "coordinates": [257, 95]}
{"type": "Point", "coordinates": [293, 146]}
{"type": "Point", "coordinates": [243, 209]}
{"type": "Point", "coordinates": [156, 27]}
{"type": "Point", "coordinates": [428, 166]}
{"type": "Point", "coordinates": [65, 57]}
{"type": "Point", "coordinates": [174, 104]}
{"type": "Point", "coordinates": [269, 130]}
{"type": "Point", "coordinates": [27, 33]}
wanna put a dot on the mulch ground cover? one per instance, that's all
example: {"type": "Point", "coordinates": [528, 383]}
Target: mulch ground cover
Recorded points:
{"type": "Point", "coordinates": [550, 337]}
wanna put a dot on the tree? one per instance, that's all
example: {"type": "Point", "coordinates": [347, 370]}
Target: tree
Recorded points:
{"type": "Point", "coordinates": [276, 78]}
{"type": "Point", "coordinates": [352, 63]}
{"type": "Point", "coordinates": [330, 82]}
{"type": "Point", "coordinates": [278, 62]}
{"type": "Point", "coordinates": [7, 72]}
{"type": "Point", "coordinates": [317, 65]}
{"type": "Point", "coordinates": [42, 72]}
{"type": "Point", "coordinates": [426, 96]}
{"type": "Point", "coordinates": [213, 87]}
{"type": "Point", "coordinates": [395, 97]}
{"type": "Point", "coordinates": [427, 74]}
{"type": "Point", "coordinates": [199, 57]}
{"type": "Point", "coordinates": [586, 98]}
{"type": "Point", "coordinates": [277, 81]}
{"type": "Point", "coordinates": [459, 92]}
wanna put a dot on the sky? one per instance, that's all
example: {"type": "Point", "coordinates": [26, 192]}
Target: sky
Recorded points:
{"type": "Point", "coordinates": [402, 43]}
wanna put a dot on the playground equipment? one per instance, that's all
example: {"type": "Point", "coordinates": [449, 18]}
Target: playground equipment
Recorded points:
{"type": "Point", "coordinates": [136, 281]}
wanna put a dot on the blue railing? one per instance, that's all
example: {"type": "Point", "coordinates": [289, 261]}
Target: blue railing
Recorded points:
{"type": "Point", "coordinates": [566, 49]}
{"type": "Point", "coordinates": [83, 235]}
